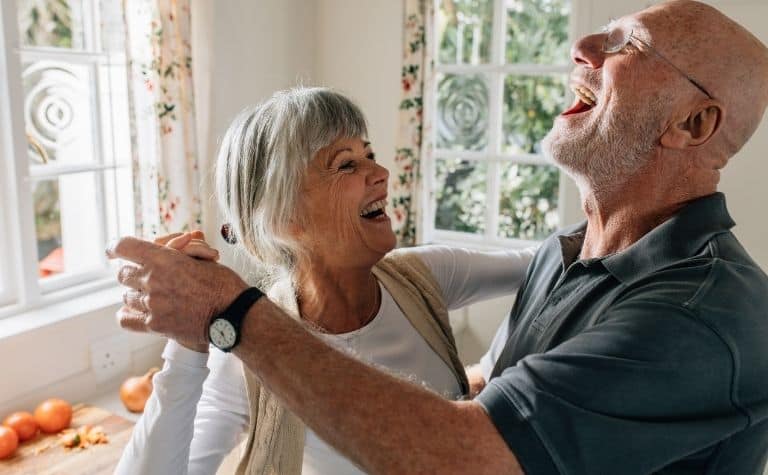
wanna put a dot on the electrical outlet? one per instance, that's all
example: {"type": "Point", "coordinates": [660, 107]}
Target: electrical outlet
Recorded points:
{"type": "Point", "coordinates": [110, 357]}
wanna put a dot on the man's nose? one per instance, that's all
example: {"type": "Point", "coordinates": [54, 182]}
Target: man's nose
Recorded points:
{"type": "Point", "coordinates": [588, 51]}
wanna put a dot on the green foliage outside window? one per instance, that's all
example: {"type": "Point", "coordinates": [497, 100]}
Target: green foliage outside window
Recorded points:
{"type": "Point", "coordinates": [45, 23]}
{"type": "Point", "coordinates": [536, 32]}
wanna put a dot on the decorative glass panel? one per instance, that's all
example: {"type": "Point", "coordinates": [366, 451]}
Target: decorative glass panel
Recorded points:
{"type": "Point", "coordinates": [528, 205]}
{"type": "Point", "coordinates": [531, 104]}
{"type": "Point", "coordinates": [51, 23]}
{"type": "Point", "coordinates": [70, 235]}
{"type": "Point", "coordinates": [461, 193]}
{"type": "Point", "coordinates": [464, 31]}
{"type": "Point", "coordinates": [462, 112]}
{"type": "Point", "coordinates": [537, 31]}
{"type": "Point", "coordinates": [57, 112]}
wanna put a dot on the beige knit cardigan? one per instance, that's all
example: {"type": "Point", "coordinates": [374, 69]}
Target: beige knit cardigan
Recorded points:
{"type": "Point", "coordinates": [275, 444]}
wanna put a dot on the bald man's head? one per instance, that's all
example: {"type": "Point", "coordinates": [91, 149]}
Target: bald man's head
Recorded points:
{"type": "Point", "coordinates": [730, 62]}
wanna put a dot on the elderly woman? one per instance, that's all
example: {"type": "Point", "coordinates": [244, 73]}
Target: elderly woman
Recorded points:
{"type": "Point", "coordinates": [307, 201]}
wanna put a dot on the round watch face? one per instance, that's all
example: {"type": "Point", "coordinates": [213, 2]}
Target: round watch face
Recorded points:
{"type": "Point", "coordinates": [222, 333]}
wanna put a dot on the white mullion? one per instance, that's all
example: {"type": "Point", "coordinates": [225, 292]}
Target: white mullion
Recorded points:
{"type": "Point", "coordinates": [522, 69]}
{"type": "Point", "coordinates": [429, 105]}
{"type": "Point", "coordinates": [47, 172]}
{"type": "Point", "coordinates": [496, 93]}
{"type": "Point", "coordinates": [90, 39]}
{"type": "Point", "coordinates": [523, 158]}
{"type": "Point", "coordinates": [59, 54]}
{"type": "Point", "coordinates": [99, 152]}
{"type": "Point", "coordinates": [20, 208]}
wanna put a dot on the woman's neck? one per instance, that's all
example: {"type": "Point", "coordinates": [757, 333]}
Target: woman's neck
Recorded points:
{"type": "Point", "coordinates": [337, 300]}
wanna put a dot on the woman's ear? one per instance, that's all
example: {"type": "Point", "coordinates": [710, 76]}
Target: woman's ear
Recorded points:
{"type": "Point", "coordinates": [695, 129]}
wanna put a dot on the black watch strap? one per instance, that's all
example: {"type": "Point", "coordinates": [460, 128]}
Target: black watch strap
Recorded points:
{"type": "Point", "coordinates": [238, 309]}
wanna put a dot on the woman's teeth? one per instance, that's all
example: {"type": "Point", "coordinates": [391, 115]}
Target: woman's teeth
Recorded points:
{"type": "Point", "coordinates": [585, 95]}
{"type": "Point", "coordinates": [373, 208]}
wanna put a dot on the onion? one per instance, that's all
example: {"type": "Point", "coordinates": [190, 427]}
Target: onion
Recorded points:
{"type": "Point", "coordinates": [135, 391]}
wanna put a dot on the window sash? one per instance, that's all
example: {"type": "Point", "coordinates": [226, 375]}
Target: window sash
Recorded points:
{"type": "Point", "coordinates": [22, 289]}
{"type": "Point", "coordinates": [495, 73]}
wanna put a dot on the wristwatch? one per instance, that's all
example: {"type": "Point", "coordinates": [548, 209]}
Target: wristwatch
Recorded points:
{"type": "Point", "coordinates": [224, 329]}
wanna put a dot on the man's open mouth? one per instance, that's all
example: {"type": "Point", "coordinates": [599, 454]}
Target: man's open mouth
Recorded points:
{"type": "Point", "coordinates": [374, 210]}
{"type": "Point", "coordinates": [585, 100]}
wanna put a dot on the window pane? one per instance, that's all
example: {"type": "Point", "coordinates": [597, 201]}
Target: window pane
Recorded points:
{"type": "Point", "coordinates": [56, 23]}
{"type": "Point", "coordinates": [531, 104]}
{"type": "Point", "coordinates": [464, 31]}
{"type": "Point", "coordinates": [461, 193]}
{"type": "Point", "coordinates": [57, 112]}
{"type": "Point", "coordinates": [462, 112]}
{"type": "Point", "coordinates": [67, 220]}
{"type": "Point", "coordinates": [528, 205]}
{"type": "Point", "coordinates": [537, 31]}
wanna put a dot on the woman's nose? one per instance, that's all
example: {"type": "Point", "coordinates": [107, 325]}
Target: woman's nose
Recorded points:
{"type": "Point", "coordinates": [588, 51]}
{"type": "Point", "coordinates": [378, 175]}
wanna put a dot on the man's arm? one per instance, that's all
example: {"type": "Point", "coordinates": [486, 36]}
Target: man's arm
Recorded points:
{"type": "Point", "coordinates": [385, 424]}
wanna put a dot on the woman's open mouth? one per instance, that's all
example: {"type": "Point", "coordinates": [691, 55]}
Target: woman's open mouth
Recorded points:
{"type": "Point", "coordinates": [585, 100]}
{"type": "Point", "coordinates": [375, 210]}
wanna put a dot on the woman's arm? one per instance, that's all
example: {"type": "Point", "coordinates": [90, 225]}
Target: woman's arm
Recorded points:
{"type": "Point", "coordinates": [467, 276]}
{"type": "Point", "coordinates": [161, 439]}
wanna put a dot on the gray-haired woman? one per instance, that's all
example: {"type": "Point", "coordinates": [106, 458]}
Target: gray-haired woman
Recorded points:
{"type": "Point", "coordinates": [298, 180]}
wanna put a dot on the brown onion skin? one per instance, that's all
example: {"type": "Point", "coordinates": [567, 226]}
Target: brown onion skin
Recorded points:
{"type": "Point", "coordinates": [135, 391]}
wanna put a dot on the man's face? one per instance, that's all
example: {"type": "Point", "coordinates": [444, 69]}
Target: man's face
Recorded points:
{"type": "Point", "coordinates": [623, 101]}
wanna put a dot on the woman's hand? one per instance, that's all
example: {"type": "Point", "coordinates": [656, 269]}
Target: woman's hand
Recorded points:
{"type": "Point", "coordinates": [192, 244]}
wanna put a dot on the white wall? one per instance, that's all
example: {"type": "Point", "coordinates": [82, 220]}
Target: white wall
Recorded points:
{"type": "Point", "coordinates": [359, 52]}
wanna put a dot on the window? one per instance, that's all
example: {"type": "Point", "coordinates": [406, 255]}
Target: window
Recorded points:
{"type": "Point", "coordinates": [66, 147]}
{"type": "Point", "coordinates": [500, 80]}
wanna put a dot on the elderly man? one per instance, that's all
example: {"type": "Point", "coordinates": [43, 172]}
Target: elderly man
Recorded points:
{"type": "Point", "coordinates": [638, 343]}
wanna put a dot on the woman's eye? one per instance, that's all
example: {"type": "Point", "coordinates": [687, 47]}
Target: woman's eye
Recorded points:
{"type": "Point", "coordinates": [350, 165]}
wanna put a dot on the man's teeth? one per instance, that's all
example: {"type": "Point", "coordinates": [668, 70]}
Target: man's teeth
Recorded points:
{"type": "Point", "coordinates": [375, 206]}
{"type": "Point", "coordinates": [585, 95]}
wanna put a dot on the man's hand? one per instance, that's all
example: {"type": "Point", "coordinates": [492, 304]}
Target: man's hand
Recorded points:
{"type": "Point", "coordinates": [169, 292]}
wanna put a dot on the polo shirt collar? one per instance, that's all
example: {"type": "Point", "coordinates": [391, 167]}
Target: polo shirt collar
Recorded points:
{"type": "Point", "coordinates": [678, 238]}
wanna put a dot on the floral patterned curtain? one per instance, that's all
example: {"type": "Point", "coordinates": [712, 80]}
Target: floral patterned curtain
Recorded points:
{"type": "Point", "coordinates": [165, 160]}
{"type": "Point", "coordinates": [417, 70]}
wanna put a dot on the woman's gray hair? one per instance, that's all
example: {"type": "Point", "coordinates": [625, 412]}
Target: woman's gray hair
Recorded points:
{"type": "Point", "coordinates": [261, 164]}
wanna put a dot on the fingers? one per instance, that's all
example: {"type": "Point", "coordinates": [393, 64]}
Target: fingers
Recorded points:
{"type": "Point", "coordinates": [180, 241]}
{"type": "Point", "coordinates": [131, 249]}
{"type": "Point", "coordinates": [197, 234]}
{"type": "Point", "coordinates": [130, 276]}
{"type": "Point", "coordinates": [163, 240]}
{"type": "Point", "coordinates": [201, 250]}
{"type": "Point", "coordinates": [135, 300]}
{"type": "Point", "coordinates": [132, 320]}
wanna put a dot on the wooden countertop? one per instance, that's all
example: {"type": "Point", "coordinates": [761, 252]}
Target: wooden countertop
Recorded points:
{"type": "Point", "coordinates": [44, 456]}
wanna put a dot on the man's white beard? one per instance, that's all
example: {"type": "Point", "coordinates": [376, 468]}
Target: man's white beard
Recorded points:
{"type": "Point", "coordinates": [607, 154]}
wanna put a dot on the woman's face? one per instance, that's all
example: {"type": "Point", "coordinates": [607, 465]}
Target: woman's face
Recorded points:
{"type": "Point", "coordinates": [342, 217]}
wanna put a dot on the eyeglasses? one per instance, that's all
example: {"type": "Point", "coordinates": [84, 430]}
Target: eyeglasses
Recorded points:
{"type": "Point", "coordinates": [618, 37]}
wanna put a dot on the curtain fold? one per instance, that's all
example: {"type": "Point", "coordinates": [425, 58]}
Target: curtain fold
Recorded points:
{"type": "Point", "coordinates": [412, 146]}
{"type": "Point", "coordinates": [165, 159]}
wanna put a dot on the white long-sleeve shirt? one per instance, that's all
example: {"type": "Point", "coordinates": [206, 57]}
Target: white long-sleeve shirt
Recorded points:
{"type": "Point", "coordinates": [199, 409]}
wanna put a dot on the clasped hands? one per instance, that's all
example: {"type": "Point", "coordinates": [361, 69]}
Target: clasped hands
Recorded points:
{"type": "Point", "coordinates": [175, 286]}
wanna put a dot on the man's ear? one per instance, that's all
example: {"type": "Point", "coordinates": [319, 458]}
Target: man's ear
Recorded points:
{"type": "Point", "coordinates": [695, 129]}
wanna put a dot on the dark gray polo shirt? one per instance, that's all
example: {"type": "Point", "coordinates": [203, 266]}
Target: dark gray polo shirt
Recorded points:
{"type": "Point", "coordinates": [652, 360]}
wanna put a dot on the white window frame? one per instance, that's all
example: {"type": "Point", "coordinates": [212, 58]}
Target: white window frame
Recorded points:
{"type": "Point", "coordinates": [493, 156]}
{"type": "Point", "coordinates": [23, 291]}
